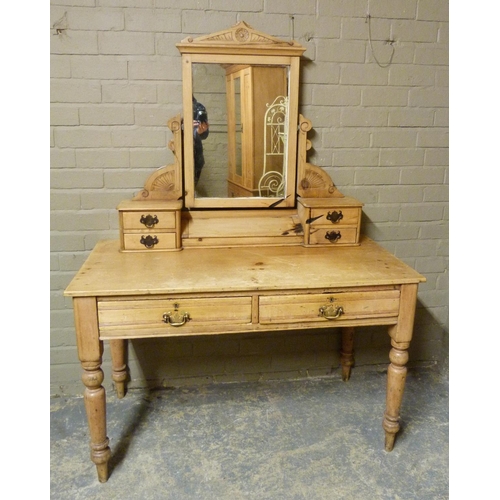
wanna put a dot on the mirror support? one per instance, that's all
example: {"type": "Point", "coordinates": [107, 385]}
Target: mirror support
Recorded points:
{"type": "Point", "coordinates": [310, 212]}
{"type": "Point", "coordinates": [243, 47]}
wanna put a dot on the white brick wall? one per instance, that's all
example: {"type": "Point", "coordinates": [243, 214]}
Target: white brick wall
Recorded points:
{"type": "Point", "coordinates": [380, 132]}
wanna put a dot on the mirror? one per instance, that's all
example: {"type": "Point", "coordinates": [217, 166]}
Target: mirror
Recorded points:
{"type": "Point", "coordinates": [240, 148]}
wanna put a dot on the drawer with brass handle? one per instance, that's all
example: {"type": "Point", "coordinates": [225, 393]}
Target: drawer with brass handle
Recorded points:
{"type": "Point", "coordinates": [334, 307]}
{"type": "Point", "coordinates": [330, 221]}
{"type": "Point", "coordinates": [338, 236]}
{"type": "Point", "coordinates": [176, 316]}
{"type": "Point", "coordinates": [143, 241]}
{"type": "Point", "coordinates": [144, 220]}
{"type": "Point", "coordinates": [150, 226]}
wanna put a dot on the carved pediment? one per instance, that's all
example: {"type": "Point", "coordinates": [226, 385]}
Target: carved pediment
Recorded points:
{"type": "Point", "coordinates": [239, 36]}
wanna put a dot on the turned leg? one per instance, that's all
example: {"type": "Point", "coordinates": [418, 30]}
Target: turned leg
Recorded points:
{"type": "Point", "coordinates": [90, 350]}
{"type": "Point", "coordinates": [401, 334]}
{"type": "Point", "coordinates": [119, 365]}
{"type": "Point", "coordinates": [396, 377]}
{"type": "Point", "coordinates": [347, 352]}
{"type": "Point", "coordinates": [95, 406]}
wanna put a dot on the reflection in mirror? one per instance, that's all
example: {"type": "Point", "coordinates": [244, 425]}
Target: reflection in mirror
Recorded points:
{"type": "Point", "coordinates": [245, 151]}
{"type": "Point", "coordinates": [209, 89]}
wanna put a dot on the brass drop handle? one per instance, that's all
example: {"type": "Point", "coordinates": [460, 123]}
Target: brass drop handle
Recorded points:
{"type": "Point", "coordinates": [330, 312]}
{"type": "Point", "coordinates": [335, 216]}
{"type": "Point", "coordinates": [149, 241]}
{"type": "Point", "coordinates": [176, 318]}
{"type": "Point", "coordinates": [149, 220]}
{"type": "Point", "coordinates": [333, 236]}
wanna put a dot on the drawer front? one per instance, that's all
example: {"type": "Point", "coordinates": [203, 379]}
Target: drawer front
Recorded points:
{"type": "Point", "coordinates": [333, 236]}
{"type": "Point", "coordinates": [336, 307]}
{"type": "Point", "coordinates": [153, 221]}
{"type": "Point", "coordinates": [335, 216]}
{"type": "Point", "coordinates": [149, 241]}
{"type": "Point", "coordinates": [172, 316]}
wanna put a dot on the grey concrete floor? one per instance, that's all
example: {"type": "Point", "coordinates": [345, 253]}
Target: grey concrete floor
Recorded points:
{"type": "Point", "coordinates": [308, 439]}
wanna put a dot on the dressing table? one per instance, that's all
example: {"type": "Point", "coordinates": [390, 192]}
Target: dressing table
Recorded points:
{"type": "Point", "coordinates": [191, 262]}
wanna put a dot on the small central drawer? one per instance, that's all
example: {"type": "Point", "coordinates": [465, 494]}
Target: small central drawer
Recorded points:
{"type": "Point", "coordinates": [319, 308]}
{"type": "Point", "coordinates": [142, 317]}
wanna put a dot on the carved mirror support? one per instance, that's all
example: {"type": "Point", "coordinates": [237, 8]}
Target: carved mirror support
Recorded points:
{"type": "Point", "coordinates": [240, 111]}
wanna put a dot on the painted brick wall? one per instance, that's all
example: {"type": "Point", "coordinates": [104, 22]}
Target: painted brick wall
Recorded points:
{"type": "Point", "coordinates": [377, 94]}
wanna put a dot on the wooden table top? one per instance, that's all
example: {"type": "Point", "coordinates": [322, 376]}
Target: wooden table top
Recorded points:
{"type": "Point", "coordinates": [109, 272]}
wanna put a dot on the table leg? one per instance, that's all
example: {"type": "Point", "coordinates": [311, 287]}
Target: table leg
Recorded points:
{"type": "Point", "coordinates": [347, 352]}
{"type": "Point", "coordinates": [396, 377]}
{"type": "Point", "coordinates": [95, 406]}
{"type": "Point", "coordinates": [119, 365]}
{"type": "Point", "coordinates": [90, 351]}
{"type": "Point", "coordinates": [401, 335]}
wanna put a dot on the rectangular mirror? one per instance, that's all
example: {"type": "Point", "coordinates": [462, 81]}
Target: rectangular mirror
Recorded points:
{"type": "Point", "coordinates": [240, 118]}
{"type": "Point", "coordinates": [240, 130]}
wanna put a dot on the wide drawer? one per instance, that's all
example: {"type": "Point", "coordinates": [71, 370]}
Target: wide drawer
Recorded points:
{"type": "Point", "coordinates": [149, 241]}
{"type": "Point", "coordinates": [335, 307]}
{"type": "Point", "coordinates": [171, 316]}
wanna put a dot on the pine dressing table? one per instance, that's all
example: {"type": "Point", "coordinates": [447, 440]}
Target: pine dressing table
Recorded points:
{"type": "Point", "coordinates": [290, 259]}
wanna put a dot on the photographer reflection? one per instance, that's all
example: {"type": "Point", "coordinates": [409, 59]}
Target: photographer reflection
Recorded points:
{"type": "Point", "coordinates": [200, 133]}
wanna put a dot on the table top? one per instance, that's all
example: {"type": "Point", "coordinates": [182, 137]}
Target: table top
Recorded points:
{"type": "Point", "coordinates": [109, 272]}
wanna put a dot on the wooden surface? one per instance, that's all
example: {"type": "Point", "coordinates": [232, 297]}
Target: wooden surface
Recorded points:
{"type": "Point", "coordinates": [108, 272]}
{"type": "Point", "coordinates": [210, 291]}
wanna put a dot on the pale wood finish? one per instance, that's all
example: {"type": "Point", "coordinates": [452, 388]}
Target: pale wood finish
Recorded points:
{"type": "Point", "coordinates": [107, 272]}
{"type": "Point", "coordinates": [165, 183]}
{"type": "Point", "coordinates": [347, 352]}
{"type": "Point", "coordinates": [229, 290]}
{"type": "Point", "coordinates": [283, 265]}
{"type": "Point", "coordinates": [241, 46]}
{"type": "Point", "coordinates": [259, 87]}
{"type": "Point", "coordinates": [312, 181]}
{"type": "Point", "coordinates": [247, 40]}
{"type": "Point", "coordinates": [401, 335]}
{"type": "Point", "coordinates": [90, 350]}
{"type": "Point", "coordinates": [157, 219]}
{"type": "Point", "coordinates": [119, 364]}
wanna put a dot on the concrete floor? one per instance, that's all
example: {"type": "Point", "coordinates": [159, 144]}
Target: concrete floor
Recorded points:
{"type": "Point", "coordinates": [310, 439]}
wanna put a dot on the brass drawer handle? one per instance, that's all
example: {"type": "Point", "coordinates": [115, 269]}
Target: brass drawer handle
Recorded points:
{"type": "Point", "coordinates": [176, 318]}
{"type": "Point", "coordinates": [149, 241]}
{"type": "Point", "coordinates": [335, 216]}
{"type": "Point", "coordinates": [330, 312]}
{"type": "Point", "coordinates": [149, 220]}
{"type": "Point", "coordinates": [333, 236]}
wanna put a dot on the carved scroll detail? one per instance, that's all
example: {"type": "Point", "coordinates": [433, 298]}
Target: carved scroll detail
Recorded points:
{"type": "Point", "coordinates": [312, 181]}
{"type": "Point", "coordinates": [166, 182]}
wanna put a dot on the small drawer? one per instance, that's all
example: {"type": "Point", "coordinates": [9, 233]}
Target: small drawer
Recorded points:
{"type": "Point", "coordinates": [166, 317]}
{"type": "Point", "coordinates": [335, 307]}
{"type": "Point", "coordinates": [335, 216]}
{"type": "Point", "coordinates": [330, 221]}
{"type": "Point", "coordinates": [150, 226]}
{"type": "Point", "coordinates": [154, 221]}
{"type": "Point", "coordinates": [149, 241]}
{"type": "Point", "coordinates": [333, 236]}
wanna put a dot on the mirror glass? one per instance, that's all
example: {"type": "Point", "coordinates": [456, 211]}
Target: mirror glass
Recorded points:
{"type": "Point", "coordinates": [240, 130]}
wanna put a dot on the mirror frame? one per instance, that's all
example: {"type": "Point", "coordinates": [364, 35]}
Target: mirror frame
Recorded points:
{"type": "Point", "coordinates": [241, 44]}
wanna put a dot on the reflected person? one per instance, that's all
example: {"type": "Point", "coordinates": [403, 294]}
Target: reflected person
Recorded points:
{"type": "Point", "coordinates": [200, 133]}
